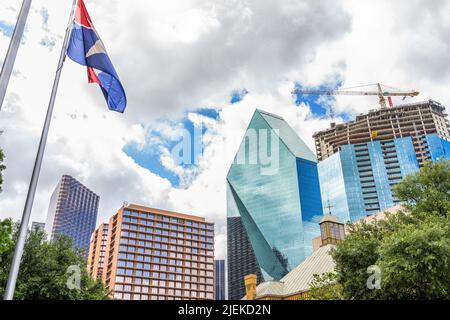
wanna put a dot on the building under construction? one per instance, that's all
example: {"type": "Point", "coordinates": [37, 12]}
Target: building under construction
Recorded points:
{"type": "Point", "coordinates": [360, 161]}
{"type": "Point", "coordinates": [408, 120]}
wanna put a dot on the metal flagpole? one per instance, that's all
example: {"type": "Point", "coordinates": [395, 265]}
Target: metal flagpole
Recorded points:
{"type": "Point", "coordinates": [12, 50]}
{"type": "Point", "coordinates": [14, 271]}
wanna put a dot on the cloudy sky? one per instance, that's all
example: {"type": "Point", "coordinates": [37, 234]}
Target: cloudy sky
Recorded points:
{"type": "Point", "coordinates": [196, 64]}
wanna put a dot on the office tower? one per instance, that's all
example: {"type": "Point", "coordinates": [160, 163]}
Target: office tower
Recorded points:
{"type": "Point", "coordinates": [37, 226]}
{"type": "Point", "coordinates": [273, 203]}
{"type": "Point", "coordinates": [219, 279]}
{"type": "Point", "coordinates": [241, 259]}
{"type": "Point", "coordinates": [97, 251]}
{"type": "Point", "coordinates": [154, 254]}
{"type": "Point", "coordinates": [296, 285]}
{"type": "Point", "coordinates": [362, 160]}
{"type": "Point", "coordinates": [72, 212]}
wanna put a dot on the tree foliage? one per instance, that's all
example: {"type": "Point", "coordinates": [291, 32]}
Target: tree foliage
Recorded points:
{"type": "Point", "coordinates": [415, 261]}
{"type": "Point", "coordinates": [6, 241]}
{"type": "Point", "coordinates": [44, 272]}
{"type": "Point", "coordinates": [325, 287]}
{"type": "Point", "coordinates": [428, 191]}
{"type": "Point", "coordinates": [2, 167]}
{"type": "Point", "coordinates": [411, 248]}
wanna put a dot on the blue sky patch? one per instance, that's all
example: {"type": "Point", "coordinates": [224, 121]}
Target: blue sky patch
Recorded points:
{"type": "Point", "coordinates": [238, 95]}
{"type": "Point", "coordinates": [149, 159]}
{"type": "Point", "coordinates": [320, 105]}
{"type": "Point", "coordinates": [44, 15]}
{"type": "Point", "coordinates": [149, 156]}
{"type": "Point", "coordinates": [6, 29]}
{"type": "Point", "coordinates": [208, 112]}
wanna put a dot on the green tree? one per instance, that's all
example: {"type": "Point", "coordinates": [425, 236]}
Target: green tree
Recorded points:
{"type": "Point", "coordinates": [353, 256]}
{"type": "Point", "coordinates": [2, 167]}
{"type": "Point", "coordinates": [415, 261]}
{"type": "Point", "coordinates": [427, 191]}
{"type": "Point", "coordinates": [6, 241]}
{"type": "Point", "coordinates": [411, 248]}
{"type": "Point", "coordinates": [46, 273]}
{"type": "Point", "coordinates": [325, 287]}
{"type": "Point", "coordinates": [5, 225]}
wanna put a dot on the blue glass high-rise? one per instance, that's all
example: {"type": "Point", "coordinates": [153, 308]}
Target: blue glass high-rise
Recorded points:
{"type": "Point", "coordinates": [219, 279]}
{"type": "Point", "coordinates": [72, 212]}
{"type": "Point", "coordinates": [273, 203]}
{"type": "Point", "coordinates": [364, 159]}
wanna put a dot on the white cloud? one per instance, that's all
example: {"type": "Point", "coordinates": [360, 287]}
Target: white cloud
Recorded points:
{"type": "Point", "coordinates": [176, 56]}
{"type": "Point", "coordinates": [398, 43]}
{"type": "Point", "coordinates": [9, 11]}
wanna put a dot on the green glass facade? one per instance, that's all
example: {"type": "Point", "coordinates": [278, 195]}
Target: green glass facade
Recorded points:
{"type": "Point", "coordinates": [278, 203]}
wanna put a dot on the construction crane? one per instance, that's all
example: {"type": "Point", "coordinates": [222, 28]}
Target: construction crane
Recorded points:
{"type": "Point", "coordinates": [382, 92]}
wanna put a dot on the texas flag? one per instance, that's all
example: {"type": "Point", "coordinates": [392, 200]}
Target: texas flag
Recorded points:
{"type": "Point", "coordinates": [86, 48]}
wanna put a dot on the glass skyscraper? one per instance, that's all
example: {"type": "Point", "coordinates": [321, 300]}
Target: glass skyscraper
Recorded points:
{"type": "Point", "coordinates": [273, 203]}
{"type": "Point", "coordinates": [361, 161]}
{"type": "Point", "coordinates": [219, 279]}
{"type": "Point", "coordinates": [72, 212]}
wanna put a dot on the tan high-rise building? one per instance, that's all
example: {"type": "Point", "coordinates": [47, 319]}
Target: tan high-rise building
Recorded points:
{"type": "Point", "coordinates": [97, 250]}
{"type": "Point", "coordinates": [154, 254]}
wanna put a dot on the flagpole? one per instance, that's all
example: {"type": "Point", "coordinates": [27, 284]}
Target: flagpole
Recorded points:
{"type": "Point", "coordinates": [11, 54]}
{"type": "Point", "coordinates": [15, 265]}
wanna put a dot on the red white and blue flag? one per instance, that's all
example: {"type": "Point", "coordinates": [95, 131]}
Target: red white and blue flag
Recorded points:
{"type": "Point", "coordinates": [86, 48]}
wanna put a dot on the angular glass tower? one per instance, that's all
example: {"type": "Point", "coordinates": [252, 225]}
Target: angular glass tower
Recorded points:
{"type": "Point", "coordinates": [273, 203]}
